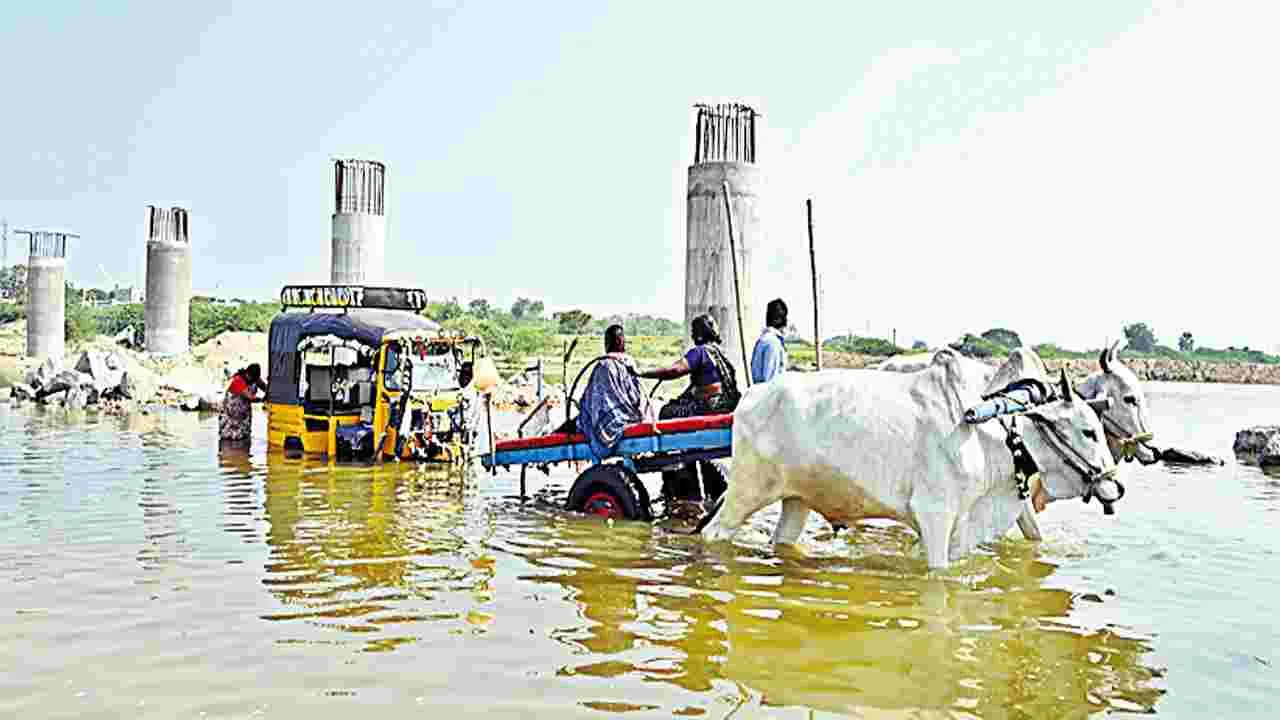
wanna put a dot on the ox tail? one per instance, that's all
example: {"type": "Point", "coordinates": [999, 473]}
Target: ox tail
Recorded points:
{"type": "Point", "coordinates": [711, 515]}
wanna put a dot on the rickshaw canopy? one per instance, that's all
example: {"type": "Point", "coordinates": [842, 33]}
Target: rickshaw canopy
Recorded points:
{"type": "Point", "coordinates": [364, 325]}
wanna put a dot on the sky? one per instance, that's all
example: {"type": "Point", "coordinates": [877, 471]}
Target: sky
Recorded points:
{"type": "Point", "coordinates": [1060, 169]}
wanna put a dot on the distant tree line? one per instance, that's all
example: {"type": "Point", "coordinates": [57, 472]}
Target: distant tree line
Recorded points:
{"type": "Point", "coordinates": [1140, 340]}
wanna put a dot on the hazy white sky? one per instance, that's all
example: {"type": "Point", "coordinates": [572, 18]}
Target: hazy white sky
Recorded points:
{"type": "Point", "coordinates": [1058, 168]}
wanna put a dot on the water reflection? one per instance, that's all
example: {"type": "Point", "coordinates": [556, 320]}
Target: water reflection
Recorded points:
{"type": "Point", "coordinates": [834, 636]}
{"type": "Point", "coordinates": [370, 550]}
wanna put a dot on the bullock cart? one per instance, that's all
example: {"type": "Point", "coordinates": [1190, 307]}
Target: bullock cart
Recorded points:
{"type": "Point", "coordinates": [611, 487]}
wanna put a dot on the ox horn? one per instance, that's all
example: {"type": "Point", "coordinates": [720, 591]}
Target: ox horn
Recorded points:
{"type": "Point", "coordinates": [1102, 360]}
{"type": "Point", "coordinates": [1065, 386]}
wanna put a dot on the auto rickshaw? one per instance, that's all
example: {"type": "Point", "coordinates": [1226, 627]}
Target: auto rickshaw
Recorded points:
{"type": "Point", "coordinates": [356, 373]}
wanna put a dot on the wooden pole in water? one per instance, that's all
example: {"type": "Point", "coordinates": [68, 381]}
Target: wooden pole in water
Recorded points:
{"type": "Point", "coordinates": [493, 452]}
{"type": "Point", "coordinates": [737, 296]}
{"type": "Point", "coordinates": [813, 264]}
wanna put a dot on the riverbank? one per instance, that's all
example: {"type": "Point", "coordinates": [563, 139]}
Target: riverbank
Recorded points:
{"type": "Point", "coordinates": [211, 363]}
{"type": "Point", "coordinates": [1149, 369]}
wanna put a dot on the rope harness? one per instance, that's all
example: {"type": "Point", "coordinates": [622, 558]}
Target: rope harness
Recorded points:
{"type": "Point", "coordinates": [1025, 467]}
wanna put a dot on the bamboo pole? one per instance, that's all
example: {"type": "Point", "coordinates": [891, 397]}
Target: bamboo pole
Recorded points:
{"type": "Point", "coordinates": [737, 295]}
{"type": "Point", "coordinates": [488, 421]}
{"type": "Point", "coordinates": [813, 265]}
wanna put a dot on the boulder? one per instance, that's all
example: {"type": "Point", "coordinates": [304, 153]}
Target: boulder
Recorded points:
{"type": "Point", "coordinates": [40, 375]}
{"type": "Point", "coordinates": [79, 398]}
{"type": "Point", "coordinates": [22, 391]}
{"type": "Point", "coordinates": [64, 381]}
{"type": "Point", "coordinates": [137, 384]}
{"type": "Point", "coordinates": [105, 369]}
{"type": "Point", "coordinates": [204, 402]}
{"type": "Point", "coordinates": [1179, 456]}
{"type": "Point", "coordinates": [126, 337]}
{"type": "Point", "coordinates": [1259, 444]}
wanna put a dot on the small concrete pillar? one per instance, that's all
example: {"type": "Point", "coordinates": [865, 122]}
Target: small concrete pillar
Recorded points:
{"type": "Point", "coordinates": [47, 295]}
{"type": "Point", "coordinates": [724, 151]}
{"type": "Point", "coordinates": [167, 312]}
{"type": "Point", "coordinates": [359, 224]}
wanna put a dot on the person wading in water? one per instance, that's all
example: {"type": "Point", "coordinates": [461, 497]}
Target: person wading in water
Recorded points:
{"type": "Point", "coordinates": [235, 422]}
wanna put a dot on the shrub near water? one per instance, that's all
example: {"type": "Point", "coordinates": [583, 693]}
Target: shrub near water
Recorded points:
{"type": "Point", "coordinates": [208, 320]}
{"type": "Point", "coordinates": [9, 312]}
{"type": "Point", "coordinates": [862, 345]}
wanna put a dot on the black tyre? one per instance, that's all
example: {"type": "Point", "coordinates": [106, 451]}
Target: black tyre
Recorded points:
{"type": "Point", "coordinates": [609, 491]}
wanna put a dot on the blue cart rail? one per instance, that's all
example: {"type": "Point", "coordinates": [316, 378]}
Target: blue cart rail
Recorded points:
{"type": "Point", "coordinates": [611, 487]}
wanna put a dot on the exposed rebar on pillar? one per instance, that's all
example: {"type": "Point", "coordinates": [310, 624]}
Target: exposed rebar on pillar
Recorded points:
{"type": "Point", "coordinates": [47, 293]}
{"type": "Point", "coordinates": [167, 312]}
{"type": "Point", "coordinates": [724, 154]}
{"type": "Point", "coordinates": [359, 223]}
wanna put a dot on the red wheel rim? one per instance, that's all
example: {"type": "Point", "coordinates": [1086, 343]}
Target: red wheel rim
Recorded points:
{"type": "Point", "coordinates": [602, 504]}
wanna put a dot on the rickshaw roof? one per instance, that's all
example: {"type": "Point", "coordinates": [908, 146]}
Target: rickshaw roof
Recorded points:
{"type": "Point", "coordinates": [364, 325]}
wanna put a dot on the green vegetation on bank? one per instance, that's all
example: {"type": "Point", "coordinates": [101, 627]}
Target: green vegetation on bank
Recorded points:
{"type": "Point", "coordinates": [11, 311]}
{"type": "Point", "coordinates": [1139, 342]}
{"type": "Point", "coordinates": [208, 320]}
{"type": "Point", "coordinates": [522, 332]}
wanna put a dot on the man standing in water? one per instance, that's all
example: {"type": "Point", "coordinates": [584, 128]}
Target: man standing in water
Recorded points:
{"type": "Point", "coordinates": [769, 358]}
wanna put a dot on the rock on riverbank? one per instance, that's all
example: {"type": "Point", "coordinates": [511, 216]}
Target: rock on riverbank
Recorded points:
{"type": "Point", "coordinates": [1259, 444]}
{"type": "Point", "coordinates": [112, 379]}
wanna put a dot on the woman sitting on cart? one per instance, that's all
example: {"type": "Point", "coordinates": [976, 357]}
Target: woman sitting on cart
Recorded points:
{"type": "Point", "coordinates": [611, 400]}
{"type": "Point", "coordinates": [712, 389]}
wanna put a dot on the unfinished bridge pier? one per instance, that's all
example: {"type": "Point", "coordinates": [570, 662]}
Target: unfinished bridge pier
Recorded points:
{"type": "Point", "coordinates": [47, 294]}
{"type": "Point", "coordinates": [359, 223]}
{"type": "Point", "coordinates": [724, 151]}
{"type": "Point", "coordinates": [167, 313]}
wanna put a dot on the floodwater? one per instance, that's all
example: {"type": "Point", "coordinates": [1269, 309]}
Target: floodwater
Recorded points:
{"type": "Point", "coordinates": [147, 574]}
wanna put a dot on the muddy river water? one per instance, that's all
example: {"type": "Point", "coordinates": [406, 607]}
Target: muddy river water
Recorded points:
{"type": "Point", "coordinates": [147, 574]}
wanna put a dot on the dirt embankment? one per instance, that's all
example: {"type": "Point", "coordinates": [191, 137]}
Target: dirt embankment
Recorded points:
{"type": "Point", "coordinates": [1170, 370]}
{"type": "Point", "coordinates": [1159, 369]}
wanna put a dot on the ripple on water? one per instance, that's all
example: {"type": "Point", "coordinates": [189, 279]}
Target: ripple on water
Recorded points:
{"type": "Point", "coordinates": [208, 580]}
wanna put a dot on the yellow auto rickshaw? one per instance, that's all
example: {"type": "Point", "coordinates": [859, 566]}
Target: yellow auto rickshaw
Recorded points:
{"type": "Point", "coordinates": [357, 373]}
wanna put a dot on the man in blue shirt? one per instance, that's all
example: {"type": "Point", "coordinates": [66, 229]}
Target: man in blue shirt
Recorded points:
{"type": "Point", "coordinates": [769, 358]}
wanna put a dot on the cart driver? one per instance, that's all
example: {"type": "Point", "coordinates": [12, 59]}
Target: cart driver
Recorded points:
{"type": "Point", "coordinates": [612, 399]}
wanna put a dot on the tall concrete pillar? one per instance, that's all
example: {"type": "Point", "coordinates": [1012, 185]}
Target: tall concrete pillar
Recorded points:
{"type": "Point", "coordinates": [167, 313]}
{"type": "Point", "coordinates": [724, 151]}
{"type": "Point", "coordinates": [359, 223]}
{"type": "Point", "coordinates": [47, 294]}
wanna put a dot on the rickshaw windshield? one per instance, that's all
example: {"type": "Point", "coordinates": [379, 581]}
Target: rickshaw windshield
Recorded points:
{"type": "Point", "coordinates": [434, 372]}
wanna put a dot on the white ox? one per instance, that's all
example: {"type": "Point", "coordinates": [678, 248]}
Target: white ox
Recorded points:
{"type": "Point", "coordinates": [860, 444]}
{"type": "Point", "coordinates": [1126, 420]}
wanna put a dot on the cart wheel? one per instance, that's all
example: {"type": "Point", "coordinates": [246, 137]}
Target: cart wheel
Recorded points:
{"type": "Point", "coordinates": [609, 491]}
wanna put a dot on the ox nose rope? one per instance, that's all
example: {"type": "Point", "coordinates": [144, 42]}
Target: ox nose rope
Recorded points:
{"type": "Point", "coordinates": [1093, 475]}
{"type": "Point", "coordinates": [1128, 443]}
{"type": "Point", "coordinates": [1025, 466]}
